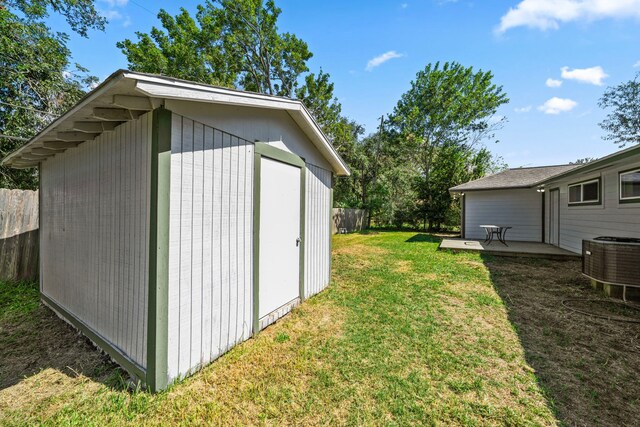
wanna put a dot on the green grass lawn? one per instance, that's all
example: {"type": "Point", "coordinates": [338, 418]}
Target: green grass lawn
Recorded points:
{"type": "Point", "coordinates": [404, 335]}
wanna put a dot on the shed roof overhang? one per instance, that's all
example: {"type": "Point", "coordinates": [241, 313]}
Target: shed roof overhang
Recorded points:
{"type": "Point", "coordinates": [126, 95]}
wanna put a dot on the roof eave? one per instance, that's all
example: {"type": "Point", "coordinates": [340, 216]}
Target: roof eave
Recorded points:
{"type": "Point", "coordinates": [464, 190]}
{"type": "Point", "coordinates": [90, 96]}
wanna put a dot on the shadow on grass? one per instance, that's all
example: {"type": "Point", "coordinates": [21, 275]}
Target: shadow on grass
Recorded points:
{"type": "Point", "coordinates": [33, 338]}
{"type": "Point", "coordinates": [588, 367]}
{"type": "Point", "coordinates": [423, 237]}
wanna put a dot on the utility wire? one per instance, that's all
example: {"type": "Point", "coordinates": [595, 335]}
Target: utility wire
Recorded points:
{"type": "Point", "coordinates": [142, 7]}
{"type": "Point", "coordinates": [18, 138]}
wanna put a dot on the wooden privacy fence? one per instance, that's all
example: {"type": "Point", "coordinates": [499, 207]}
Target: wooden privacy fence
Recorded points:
{"type": "Point", "coordinates": [349, 220]}
{"type": "Point", "coordinates": [18, 234]}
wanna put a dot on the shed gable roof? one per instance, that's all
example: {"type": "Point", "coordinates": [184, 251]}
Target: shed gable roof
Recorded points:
{"type": "Point", "coordinates": [125, 95]}
{"type": "Point", "coordinates": [514, 178]}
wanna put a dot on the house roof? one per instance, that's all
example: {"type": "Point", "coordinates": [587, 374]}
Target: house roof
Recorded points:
{"type": "Point", "coordinates": [603, 162]}
{"type": "Point", "coordinates": [514, 178]}
{"type": "Point", "coordinates": [125, 95]}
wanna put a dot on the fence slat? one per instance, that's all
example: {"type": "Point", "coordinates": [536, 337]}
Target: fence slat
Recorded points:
{"type": "Point", "coordinates": [348, 220]}
{"type": "Point", "coordinates": [18, 234]}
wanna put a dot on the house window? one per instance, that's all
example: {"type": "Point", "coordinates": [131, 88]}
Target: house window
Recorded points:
{"type": "Point", "coordinates": [630, 186]}
{"type": "Point", "coordinates": [587, 192]}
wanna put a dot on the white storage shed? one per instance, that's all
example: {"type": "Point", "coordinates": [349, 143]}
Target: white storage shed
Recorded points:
{"type": "Point", "coordinates": [179, 219]}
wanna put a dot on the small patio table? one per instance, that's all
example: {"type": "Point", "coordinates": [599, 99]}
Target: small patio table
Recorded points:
{"type": "Point", "coordinates": [498, 230]}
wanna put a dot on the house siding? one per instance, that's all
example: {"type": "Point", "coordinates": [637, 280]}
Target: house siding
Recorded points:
{"type": "Point", "coordinates": [94, 234]}
{"type": "Point", "coordinates": [517, 208]}
{"type": "Point", "coordinates": [317, 230]}
{"type": "Point", "coordinates": [610, 218]}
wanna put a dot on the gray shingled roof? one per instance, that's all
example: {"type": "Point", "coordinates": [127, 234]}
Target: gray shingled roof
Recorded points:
{"type": "Point", "coordinates": [514, 178]}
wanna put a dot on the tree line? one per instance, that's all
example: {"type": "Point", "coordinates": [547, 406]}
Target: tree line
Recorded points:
{"type": "Point", "coordinates": [435, 137]}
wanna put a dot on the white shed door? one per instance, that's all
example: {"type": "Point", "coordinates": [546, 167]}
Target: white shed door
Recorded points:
{"type": "Point", "coordinates": [279, 233]}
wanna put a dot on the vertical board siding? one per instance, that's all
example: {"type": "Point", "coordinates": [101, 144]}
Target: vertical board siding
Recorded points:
{"type": "Point", "coordinates": [94, 243]}
{"type": "Point", "coordinates": [610, 218]}
{"type": "Point", "coordinates": [520, 209]}
{"type": "Point", "coordinates": [210, 249]}
{"type": "Point", "coordinates": [317, 230]}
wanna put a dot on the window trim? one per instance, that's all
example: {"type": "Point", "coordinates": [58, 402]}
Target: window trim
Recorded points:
{"type": "Point", "coordinates": [581, 184]}
{"type": "Point", "coordinates": [626, 199]}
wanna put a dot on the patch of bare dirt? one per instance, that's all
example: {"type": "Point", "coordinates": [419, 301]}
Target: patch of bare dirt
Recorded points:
{"type": "Point", "coordinates": [359, 250]}
{"type": "Point", "coordinates": [589, 367]}
{"type": "Point", "coordinates": [363, 256]}
{"type": "Point", "coordinates": [39, 341]}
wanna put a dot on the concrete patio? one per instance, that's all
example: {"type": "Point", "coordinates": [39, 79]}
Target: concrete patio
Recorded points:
{"type": "Point", "coordinates": [526, 249]}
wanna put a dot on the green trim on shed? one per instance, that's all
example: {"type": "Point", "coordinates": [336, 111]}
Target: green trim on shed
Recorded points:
{"type": "Point", "coordinates": [256, 240]}
{"type": "Point", "coordinates": [40, 226]}
{"type": "Point", "coordinates": [101, 342]}
{"type": "Point", "coordinates": [157, 325]}
{"type": "Point", "coordinates": [278, 154]}
{"type": "Point", "coordinates": [303, 210]}
{"type": "Point", "coordinates": [331, 229]}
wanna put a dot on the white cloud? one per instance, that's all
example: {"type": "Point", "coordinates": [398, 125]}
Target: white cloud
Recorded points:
{"type": "Point", "coordinates": [111, 15]}
{"type": "Point", "coordinates": [549, 14]}
{"type": "Point", "coordinates": [593, 75]}
{"type": "Point", "coordinates": [381, 59]}
{"type": "Point", "coordinates": [557, 105]}
{"type": "Point", "coordinates": [114, 3]}
{"type": "Point", "coordinates": [636, 65]}
{"type": "Point", "coordinates": [523, 109]}
{"type": "Point", "coordinates": [553, 83]}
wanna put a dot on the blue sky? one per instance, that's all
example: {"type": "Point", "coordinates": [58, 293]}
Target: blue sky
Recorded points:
{"type": "Point", "coordinates": [553, 57]}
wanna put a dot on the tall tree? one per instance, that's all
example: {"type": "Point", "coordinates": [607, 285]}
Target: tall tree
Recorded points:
{"type": "Point", "coordinates": [81, 15]}
{"type": "Point", "coordinates": [317, 95]}
{"type": "Point", "coordinates": [186, 48]}
{"type": "Point", "coordinates": [230, 42]}
{"type": "Point", "coordinates": [271, 62]}
{"type": "Point", "coordinates": [447, 111]}
{"type": "Point", "coordinates": [622, 124]}
{"type": "Point", "coordinates": [37, 80]}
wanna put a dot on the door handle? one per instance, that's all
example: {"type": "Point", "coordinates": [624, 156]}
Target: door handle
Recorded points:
{"type": "Point", "coordinates": [298, 241]}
